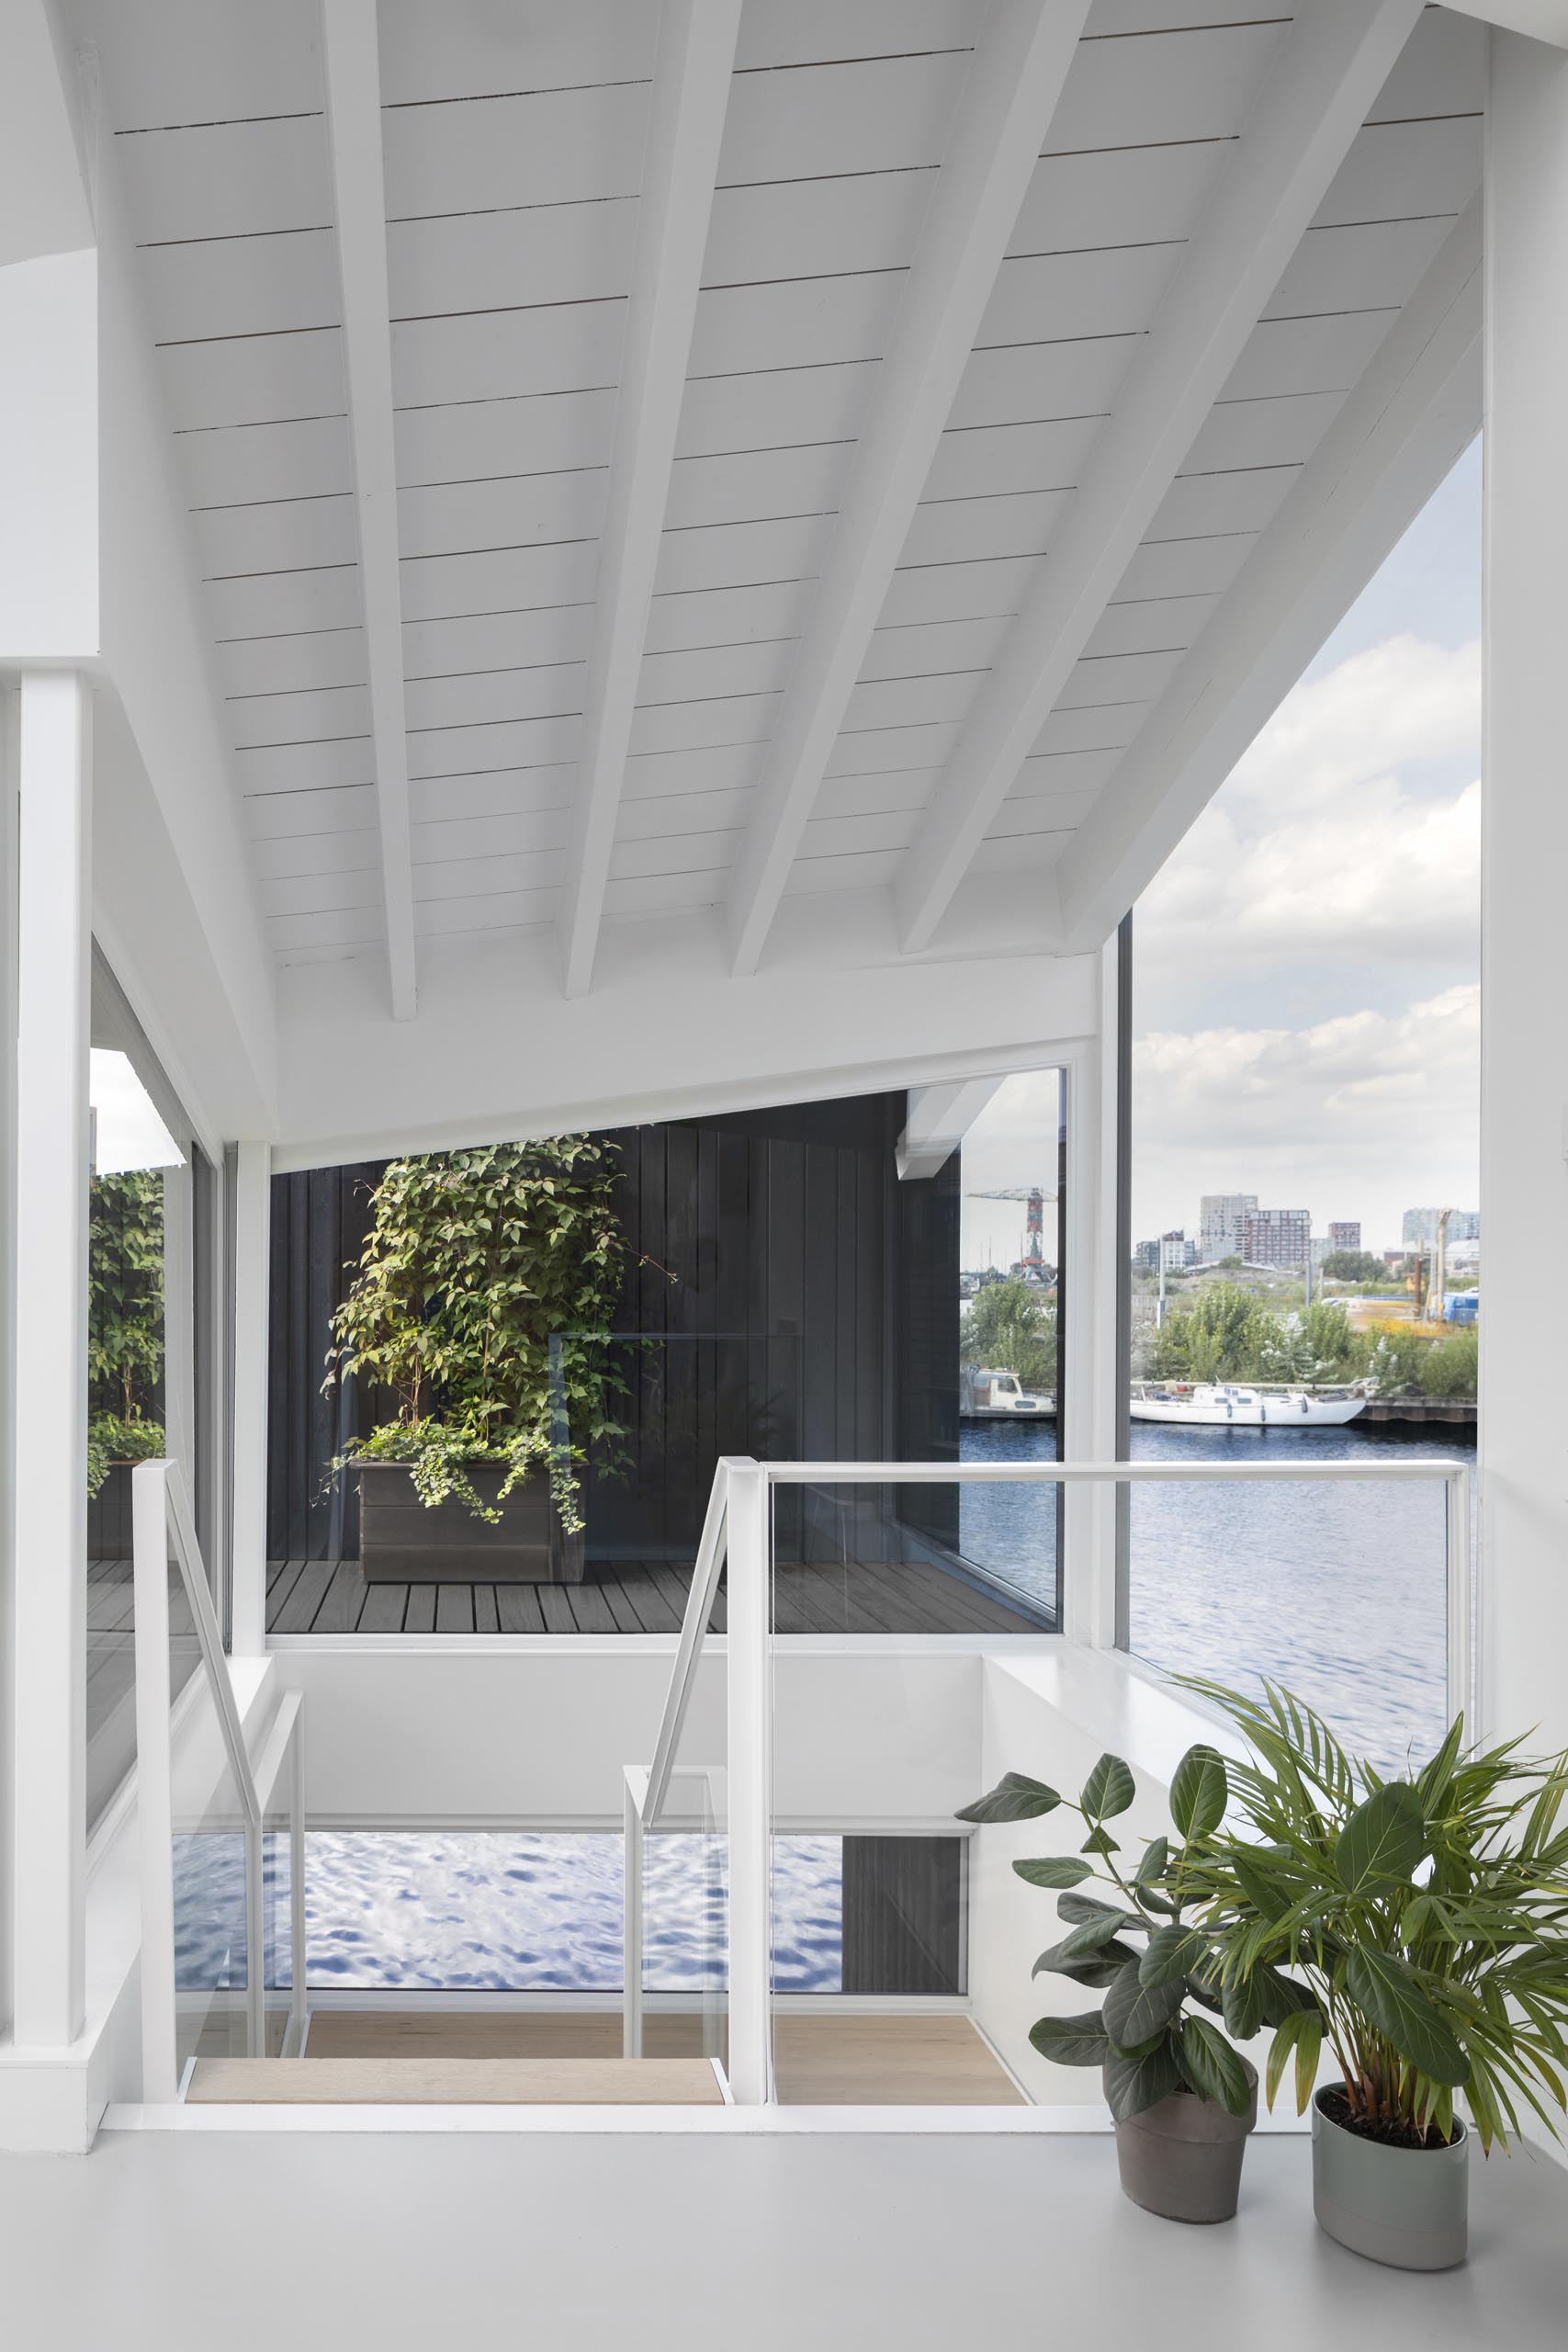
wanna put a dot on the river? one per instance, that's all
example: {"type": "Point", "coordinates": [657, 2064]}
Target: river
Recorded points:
{"type": "Point", "coordinates": [1338, 1591]}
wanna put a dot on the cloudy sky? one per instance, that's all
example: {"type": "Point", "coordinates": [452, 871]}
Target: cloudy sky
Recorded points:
{"type": "Point", "coordinates": [1305, 1007]}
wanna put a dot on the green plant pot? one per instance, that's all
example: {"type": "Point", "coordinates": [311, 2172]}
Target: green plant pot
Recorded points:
{"type": "Point", "coordinates": [1405, 2207]}
{"type": "Point", "coordinates": [1182, 2158]}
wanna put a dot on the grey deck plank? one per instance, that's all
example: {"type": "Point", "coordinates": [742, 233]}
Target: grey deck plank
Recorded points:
{"type": "Point", "coordinates": [556, 1609]}
{"type": "Point", "coordinates": [454, 1608]}
{"type": "Point", "coordinates": [298, 1613]}
{"type": "Point", "coordinates": [420, 1617]}
{"type": "Point", "coordinates": [384, 1609]}
{"type": "Point", "coordinates": [279, 1588]}
{"type": "Point", "coordinates": [590, 1609]}
{"type": "Point", "coordinates": [486, 1619]}
{"type": "Point", "coordinates": [343, 1602]}
{"type": "Point", "coordinates": [626, 1619]}
{"type": "Point", "coordinates": [650, 1604]}
{"type": "Point", "coordinates": [517, 1606]}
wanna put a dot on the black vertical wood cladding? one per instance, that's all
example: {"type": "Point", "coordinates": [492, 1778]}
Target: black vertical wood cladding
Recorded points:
{"type": "Point", "coordinates": [902, 1919]}
{"type": "Point", "coordinates": [807, 1316]}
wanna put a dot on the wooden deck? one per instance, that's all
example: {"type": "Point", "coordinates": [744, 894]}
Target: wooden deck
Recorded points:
{"type": "Point", "coordinates": [855, 1597]}
{"type": "Point", "coordinates": [369, 2057]}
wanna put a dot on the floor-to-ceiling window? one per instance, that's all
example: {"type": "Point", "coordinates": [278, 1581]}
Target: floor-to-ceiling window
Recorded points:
{"type": "Point", "coordinates": [1306, 1274]}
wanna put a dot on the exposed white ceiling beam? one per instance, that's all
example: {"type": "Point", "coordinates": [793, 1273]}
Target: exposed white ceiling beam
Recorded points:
{"type": "Point", "coordinates": [352, 68]}
{"type": "Point", "coordinates": [44, 204]}
{"type": "Point", "coordinates": [1328, 70]}
{"type": "Point", "coordinates": [691, 92]}
{"type": "Point", "coordinates": [1542, 19]}
{"type": "Point", "coordinates": [1405, 424]}
{"type": "Point", "coordinates": [1025, 50]}
{"type": "Point", "coordinates": [937, 1119]}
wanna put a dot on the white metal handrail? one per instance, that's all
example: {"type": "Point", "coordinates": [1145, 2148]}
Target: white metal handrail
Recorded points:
{"type": "Point", "coordinates": [737, 1530]}
{"type": "Point", "coordinates": [161, 1526]}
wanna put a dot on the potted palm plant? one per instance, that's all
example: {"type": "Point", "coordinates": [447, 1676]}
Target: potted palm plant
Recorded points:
{"type": "Point", "coordinates": [483, 1306]}
{"type": "Point", "coordinates": [1427, 1921]}
{"type": "Point", "coordinates": [1183, 2099]}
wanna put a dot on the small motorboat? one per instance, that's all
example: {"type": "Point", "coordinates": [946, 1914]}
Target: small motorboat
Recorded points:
{"type": "Point", "coordinates": [1226, 1404]}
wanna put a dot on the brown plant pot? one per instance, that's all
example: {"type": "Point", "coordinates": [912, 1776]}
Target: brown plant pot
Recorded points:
{"type": "Point", "coordinates": [1182, 2158]}
{"type": "Point", "coordinates": [402, 1541]}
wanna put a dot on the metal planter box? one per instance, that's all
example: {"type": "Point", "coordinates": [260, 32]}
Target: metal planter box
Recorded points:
{"type": "Point", "coordinates": [402, 1542]}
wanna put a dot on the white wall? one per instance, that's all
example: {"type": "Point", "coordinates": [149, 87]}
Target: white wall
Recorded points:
{"type": "Point", "coordinates": [49, 457]}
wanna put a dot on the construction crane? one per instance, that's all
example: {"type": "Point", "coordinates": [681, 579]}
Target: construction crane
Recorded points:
{"type": "Point", "coordinates": [1034, 1259]}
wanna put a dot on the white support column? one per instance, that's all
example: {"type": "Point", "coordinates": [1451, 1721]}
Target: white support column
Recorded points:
{"type": "Point", "coordinates": [50, 1494]}
{"type": "Point", "coordinates": [750, 1794]}
{"type": "Point", "coordinates": [1086, 1404]}
{"type": "Point", "coordinates": [1523, 958]}
{"type": "Point", "coordinates": [253, 1238]}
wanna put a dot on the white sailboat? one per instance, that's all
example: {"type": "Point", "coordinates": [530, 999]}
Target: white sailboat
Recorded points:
{"type": "Point", "coordinates": [1221, 1404]}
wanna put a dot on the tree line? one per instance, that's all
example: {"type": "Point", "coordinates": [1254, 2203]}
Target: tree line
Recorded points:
{"type": "Point", "coordinates": [1228, 1334]}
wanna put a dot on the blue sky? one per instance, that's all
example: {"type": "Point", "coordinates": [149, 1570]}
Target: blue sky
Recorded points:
{"type": "Point", "coordinates": [1307, 1004]}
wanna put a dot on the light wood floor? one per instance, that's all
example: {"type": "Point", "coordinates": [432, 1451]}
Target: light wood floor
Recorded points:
{"type": "Point", "coordinates": [831, 2061]}
{"type": "Point", "coordinates": [406, 2080]}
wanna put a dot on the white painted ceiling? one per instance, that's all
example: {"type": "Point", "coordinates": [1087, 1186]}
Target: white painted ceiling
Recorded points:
{"type": "Point", "coordinates": [512, 143]}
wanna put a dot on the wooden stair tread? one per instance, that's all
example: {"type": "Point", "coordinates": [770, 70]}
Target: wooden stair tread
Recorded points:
{"type": "Point", "coordinates": [454, 2082]}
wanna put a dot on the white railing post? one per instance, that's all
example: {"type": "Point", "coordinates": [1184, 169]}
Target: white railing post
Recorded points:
{"type": "Point", "coordinates": [751, 1795]}
{"type": "Point", "coordinates": [631, 1926]}
{"type": "Point", "coordinates": [1461, 1600]}
{"type": "Point", "coordinates": [247, 1548]}
{"type": "Point", "coordinates": [154, 1780]}
{"type": "Point", "coordinates": [298, 1984]}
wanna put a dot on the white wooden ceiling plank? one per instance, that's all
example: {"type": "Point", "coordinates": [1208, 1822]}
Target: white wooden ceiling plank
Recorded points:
{"type": "Point", "coordinates": [987, 461]}
{"type": "Point", "coordinates": [1292, 355]}
{"type": "Point", "coordinates": [943, 697]}
{"type": "Point", "coordinates": [523, 742]}
{"type": "Point", "coordinates": [937, 645]}
{"type": "Point", "coordinates": [788, 481]}
{"type": "Point", "coordinates": [1441, 70]}
{"type": "Point", "coordinates": [1025, 853]}
{"type": "Point", "coordinates": [299, 460]}
{"type": "Point", "coordinates": [1406, 169]}
{"type": "Point", "coordinates": [267, 719]}
{"type": "Point", "coordinates": [361, 927]}
{"type": "Point", "coordinates": [452, 52]}
{"type": "Point", "coordinates": [527, 510]}
{"type": "Point", "coordinates": [1149, 624]}
{"type": "Point", "coordinates": [871, 870]}
{"type": "Point", "coordinates": [492, 915]}
{"type": "Point", "coordinates": [1108, 728]}
{"type": "Point", "coordinates": [845, 835]}
{"type": "Point", "coordinates": [1359, 268]}
{"type": "Point", "coordinates": [765, 610]}
{"type": "Point", "coordinates": [275, 535]}
{"type": "Point", "coordinates": [286, 603]}
{"type": "Point", "coordinates": [256, 284]}
{"type": "Point", "coordinates": [775, 408]}
{"type": "Point", "coordinates": [351, 58]}
{"type": "Point", "coordinates": [928, 594]}
{"type": "Point", "coordinates": [814, 321]}
{"type": "Point", "coordinates": [1208, 504]}
{"type": "Point", "coordinates": [547, 147]}
{"type": "Point", "coordinates": [479, 878]}
{"type": "Point", "coordinates": [709, 851]}
{"type": "Point", "coordinates": [323, 893]}
{"type": "Point", "coordinates": [486, 696]}
{"type": "Point", "coordinates": [1010, 92]}
{"type": "Point", "coordinates": [569, 253]}
{"type": "Point", "coordinates": [233, 179]}
{"type": "Point", "coordinates": [797, 32]}
{"type": "Point", "coordinates": [1079, 294]}
{"type": "Point", "coordinates": [970, 530]}
{"type": "Point", "coordinates": [505, 792]}
{"type": "Point", "coordinates": [288, 816]}
{"type": "Point", "coordinates": [247, 380]}
{"type": "Point", "coordinates": [1114, 19]}
{"type": "Point", "coordinates": [308, 766]}
{"type": "Point", "coordinates": [1192, 84]}
{"type": "Point", "coordinates": [515, 834]}
{"type": "Point", "coordinates": [1297, 135]}
{"type": "Point", "coordinates": [874, 749]}
{"type": "Point", "coordinates": [347, 952]}
{"type": "Point", "coordinates": [463, 440]}
{"type": "Point", "coordinates": [683, 812]}
{"type": "Point", "coordinates": [686, 117]}
{"type": "Point", "coordinates": [279, 856]}
{"type": "Point", "coordinates": [816, 228]}
{"type": "Point", "coordinates": [694, 726]}
{"type": "Point", "coordinates": [1394, 439]}
{"type": "Point", "coordinates": [1059, 812]}
{"type": "Point", "coordinates": [871, 796]}
{"type": "Point", "coordinates": [571, 346]}
{"type": "Point", "coordinates": [446, 587]}
{"type": "Point", "coordinates": [722, 767]}
{"type": "Point", "coordinates": [1122, 197]}
{"type": "Point", "coordinates": [1262, 433]}
{"type": "Point", "coordinates": [658, 894]}
{"type": "Point", "coordinates": [1065, 773]}
{"type": "Point", "coordinates": [737, 555]}
{"type": "Point", "coordinates": [211, 60]}
{"type": "Point", "coordinates": [548, 635]}
{"type": "Point", "coordinates": [1119, 678]}
{"type": "Point", "coordinates": [312, 663]}
{"type": "Point", "coordinates": [881, 115]}
{"type": "Point", "coordinates": [1182, 568]}
{"type": "Point", "coordinates": [760, 669]}
{"type": "Point", "coordinates": [1035, 380]}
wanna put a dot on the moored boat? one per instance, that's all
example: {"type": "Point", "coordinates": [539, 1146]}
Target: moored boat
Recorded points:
{"type": "Point", "coordinates": [1222, 1404]}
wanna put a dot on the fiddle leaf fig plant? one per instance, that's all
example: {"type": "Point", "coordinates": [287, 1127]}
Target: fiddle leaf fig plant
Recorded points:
{"type": "Point", "coordinates": [484, 1300]}
{"type": "Point", "coordinates": [1157, 1966]}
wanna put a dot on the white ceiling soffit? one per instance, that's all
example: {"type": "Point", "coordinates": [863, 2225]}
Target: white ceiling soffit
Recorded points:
{"type": "Point", "coordinates": [732, 474]}
{"type": "Point", "coordinates": [937, 1119]}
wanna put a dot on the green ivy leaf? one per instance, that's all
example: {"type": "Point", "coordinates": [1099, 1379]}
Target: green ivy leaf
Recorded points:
{"type": "Point", "coordinates": [1109, 1790]}
{"type": "Point", "coordinates": [1015, 1798]}
{"type": "Point", "coordinates": [1072, 2042]}
{"type": "Point", "coordinates": [1199, 1792]}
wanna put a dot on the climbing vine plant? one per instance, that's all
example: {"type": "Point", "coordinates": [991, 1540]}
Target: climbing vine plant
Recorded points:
{"type": "Point", "coordinates": [484, 1298]}
{"type": "Point", "coordinates": [125, 1320]}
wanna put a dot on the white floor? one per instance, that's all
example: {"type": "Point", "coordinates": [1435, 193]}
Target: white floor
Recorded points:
{"type": "Point", "coordinates": [158, 2242]}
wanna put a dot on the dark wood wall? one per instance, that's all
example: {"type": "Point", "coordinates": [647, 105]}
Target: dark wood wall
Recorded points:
{"type": "Point", "coordinates": [797, 1300]}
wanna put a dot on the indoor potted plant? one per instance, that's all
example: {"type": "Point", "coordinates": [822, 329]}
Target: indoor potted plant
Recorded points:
{"type": "Point", "coordinates": [482, 1302]}
{"type": "Point", "coordinates": [1182, 2098]}
{"type": "Point", "coordinates": [1429, 1919]}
